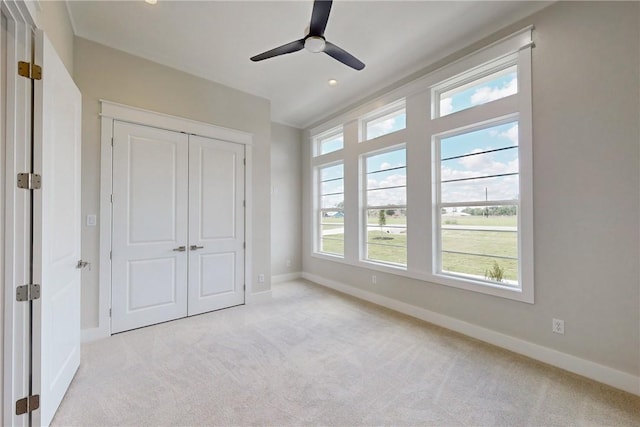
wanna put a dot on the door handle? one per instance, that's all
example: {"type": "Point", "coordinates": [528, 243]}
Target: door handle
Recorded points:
{"type": "Point", "coordinates": [180, 249]}
{"type": "Point", "coordinates": [195, 247]}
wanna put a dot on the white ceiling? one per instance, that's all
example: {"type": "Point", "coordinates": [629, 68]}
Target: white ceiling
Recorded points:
{"type": "Point", "coordinates": [215, 39]}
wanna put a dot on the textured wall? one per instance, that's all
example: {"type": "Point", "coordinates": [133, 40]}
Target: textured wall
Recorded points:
{"type": "Point", "coordinates": [586, 195]}
{"type": "Point", "coordinates": [105, 73]}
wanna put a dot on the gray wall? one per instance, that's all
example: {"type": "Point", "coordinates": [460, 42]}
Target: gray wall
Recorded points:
{"type": "Point", "coordinates": [286, 199]}
{"type": "Point", "coordinates": [586, 195]}
{"type": "Point", "coordinates": [105, 73]}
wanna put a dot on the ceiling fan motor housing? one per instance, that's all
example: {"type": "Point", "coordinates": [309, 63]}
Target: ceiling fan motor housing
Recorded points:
{"type": "Point", "coordinates": [315, 44]}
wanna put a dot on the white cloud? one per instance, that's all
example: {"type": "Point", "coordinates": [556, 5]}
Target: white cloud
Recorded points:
{"type": "Point", "coordinates": [446, 106]}
{"type": "Point", "coordinates": [511, 134]}
{"type": "Point", "coordinates": [486, 94]}
{"type": "Point", "coordinates": [389, 196]}
{"type": "Point", "coordinates": [383, 127]}
{"type": "Point", "coordinates": [499, 188]}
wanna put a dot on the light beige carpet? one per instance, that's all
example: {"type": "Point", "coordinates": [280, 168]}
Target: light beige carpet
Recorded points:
{"type": "Point", "coordinates": [316, 357]}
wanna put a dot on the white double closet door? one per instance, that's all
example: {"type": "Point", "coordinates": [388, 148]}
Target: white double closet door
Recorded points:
{"type": "Point", "coordinates": [178, 225]}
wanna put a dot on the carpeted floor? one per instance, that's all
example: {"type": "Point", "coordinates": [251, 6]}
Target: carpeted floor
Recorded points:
{"type": "Point", "coordinates": [312, 356]}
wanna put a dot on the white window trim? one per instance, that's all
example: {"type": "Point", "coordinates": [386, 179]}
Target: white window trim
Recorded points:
{"type": "Point", "coordinates": [418, 100]}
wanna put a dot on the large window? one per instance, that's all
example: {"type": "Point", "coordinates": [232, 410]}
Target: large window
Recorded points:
{"type": "Point", "coordinates": [477, 204]}
{"type": "Point", "coordinates": [385, 213]}
{"type": "Point", "coordinates": [331, 209]}
{"type": "Point", "coordinates": [434, 178]}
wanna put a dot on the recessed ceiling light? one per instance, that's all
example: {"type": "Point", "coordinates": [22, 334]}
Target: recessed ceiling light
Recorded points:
{"type": "Point", "coordinates": [333, 82]}
{"type": "Point", "coordinates": [151, 1]}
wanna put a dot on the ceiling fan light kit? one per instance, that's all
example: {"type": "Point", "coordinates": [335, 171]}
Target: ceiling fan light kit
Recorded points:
{"type": "Point", "coordinates": [314, 41]}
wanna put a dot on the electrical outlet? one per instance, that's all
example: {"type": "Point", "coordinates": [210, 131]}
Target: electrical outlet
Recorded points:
{"type": "Point", "coordinates": [260, 278]}
{"type": "Point", "coordinates": [374, 279]}
{"type": "Point", "coordinates": [288, 263]}
{"type": "Point", "coordinates": [557, 326]}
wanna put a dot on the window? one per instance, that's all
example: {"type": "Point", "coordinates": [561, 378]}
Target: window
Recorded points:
{"type": "Point", "coordinates": [480, 90]}
{"type": "Point", "coordinates": [478, 188]}
{"type": "Point", "coordinates": [433, 180]}
{"type": "Point", "coordinates": [329, 141]}
{"type": "Point", "coordinates": [384, 121]}
{"type": "Point", "coordinates": [385, 213]}
{"type": "Point", "coordinates": [331, 209]}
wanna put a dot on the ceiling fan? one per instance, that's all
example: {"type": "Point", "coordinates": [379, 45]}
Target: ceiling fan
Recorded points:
{"type": "Point", "coordinates": [314, 41]}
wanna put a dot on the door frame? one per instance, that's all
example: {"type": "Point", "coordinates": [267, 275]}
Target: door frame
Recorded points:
{"type": "Point", "coordinates": [14, 265]}
{"type": "Point", "coordinates": [113, 111]}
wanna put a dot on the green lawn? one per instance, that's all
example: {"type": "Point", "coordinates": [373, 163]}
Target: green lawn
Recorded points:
{"type": "Point", "coordinates": [501, 221]}
{"type": "Point", "coordinates": [387, 247]}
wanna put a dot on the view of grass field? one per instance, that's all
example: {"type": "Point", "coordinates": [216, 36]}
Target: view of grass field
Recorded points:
{"type": "Point", "coordinates": [471, 235]}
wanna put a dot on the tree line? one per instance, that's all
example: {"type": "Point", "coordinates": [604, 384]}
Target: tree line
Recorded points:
{"type": "Point", "coordinates": [491, 211]}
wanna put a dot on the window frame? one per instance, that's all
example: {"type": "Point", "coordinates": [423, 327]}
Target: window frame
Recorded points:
{"type": "Point", "coordinates": [438, 204]}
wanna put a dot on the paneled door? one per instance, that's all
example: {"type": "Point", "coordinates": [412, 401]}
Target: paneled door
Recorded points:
{"type": "Point", "coordinates": [56, 232]}
{"type": "Point", "coordinates": [149, 235]}
{"type": "Point", "coordinates": [216, 224]}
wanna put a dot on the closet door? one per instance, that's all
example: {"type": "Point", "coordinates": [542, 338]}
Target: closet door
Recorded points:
{"type": "Point", "coordinates": [149, 246]}
{"type": "Point", "coordinates": [216, 224]}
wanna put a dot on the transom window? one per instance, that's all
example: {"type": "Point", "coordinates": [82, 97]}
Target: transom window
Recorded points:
{"type": "Point", "coordinates": [384, 121]}
{"type": "Point", "coordinates": [330, 141]}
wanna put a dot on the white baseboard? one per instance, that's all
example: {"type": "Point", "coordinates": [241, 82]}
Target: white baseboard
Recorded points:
{"type": "Point", "coordinates": [259, 297]}
{"type": "Point", "coordinates": [604, 374]}
{"type": "Point", "coordinates": [93, 334]}
{"type": "Point", "coordinates": [286, 277]}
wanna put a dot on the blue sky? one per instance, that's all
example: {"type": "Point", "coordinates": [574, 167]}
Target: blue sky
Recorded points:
{"type": "Point", "coordinates": [481, 164]}
{"type": "Point", "coordinates": [495, 86]}
{"type": "Point", "coordinates": [378, 176]}
{"type": "Point", "coordinates": [331, 144]}
{"type": "Point", "coordinates": [386, 125]}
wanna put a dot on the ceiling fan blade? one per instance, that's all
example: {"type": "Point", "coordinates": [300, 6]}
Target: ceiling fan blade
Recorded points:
{"type": "Point", "coordinates": [343, 56]}
{"type": "Point", "coordinates": [281, 50]}
{"type": "Point", "coordinates": [319, 17]}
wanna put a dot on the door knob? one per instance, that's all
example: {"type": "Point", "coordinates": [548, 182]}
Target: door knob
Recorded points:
{"type": "Point", "coordinates": [180, 249]}
{"type": "Point", "coordinates": [195, 247]}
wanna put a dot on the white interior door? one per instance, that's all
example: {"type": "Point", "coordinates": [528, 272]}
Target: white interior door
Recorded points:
{"type": "Point", "coordinates": [216, 224]}
{"type": "Point", "coordinates": [56, 233]}
{"type": "Point", "coordinates": [149, 256]}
